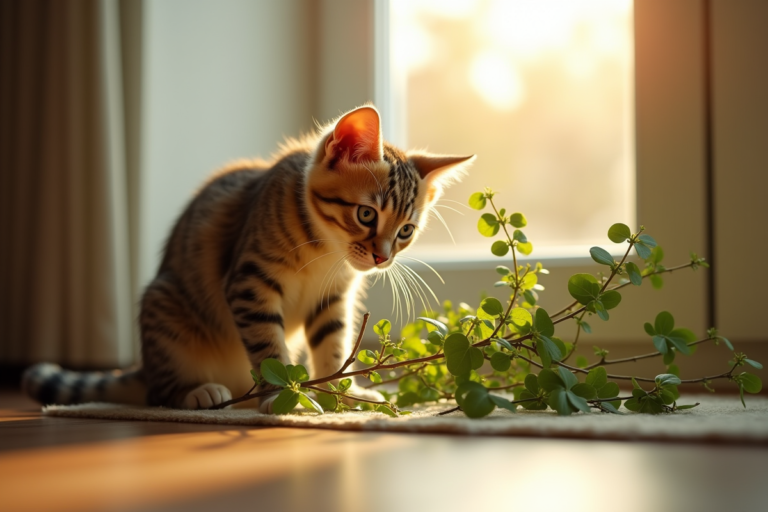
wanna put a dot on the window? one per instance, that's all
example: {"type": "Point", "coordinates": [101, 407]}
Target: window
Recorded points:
{"type": "Point", "coordinates": [542, 92]}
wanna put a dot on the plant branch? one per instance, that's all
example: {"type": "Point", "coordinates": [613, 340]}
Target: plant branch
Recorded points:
{"type": "Point", "coordinates": [637, 358]}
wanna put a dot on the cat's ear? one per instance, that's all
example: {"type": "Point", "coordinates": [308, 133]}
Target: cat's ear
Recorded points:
{"type": "Point", "coordinates": [440, 168]}
{"type": "Point", "coordinates": [357, 137]}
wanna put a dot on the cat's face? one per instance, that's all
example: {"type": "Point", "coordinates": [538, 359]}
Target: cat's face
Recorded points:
{"type": "Point", "coordinates": [369, 196]}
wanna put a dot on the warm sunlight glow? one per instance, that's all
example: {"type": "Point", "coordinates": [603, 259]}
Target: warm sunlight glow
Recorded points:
{"type": "Point", "coordinates": [541, 91]}
{"type": "Point", "coordinates": [496, 81]}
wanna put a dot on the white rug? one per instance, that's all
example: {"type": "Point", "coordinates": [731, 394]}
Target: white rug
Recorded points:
{"type": "Point", "coordinates": [716, 419]}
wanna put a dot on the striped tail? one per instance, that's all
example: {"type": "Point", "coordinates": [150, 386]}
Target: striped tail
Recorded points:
{"type": "Point", "coordinates": [50, 384]}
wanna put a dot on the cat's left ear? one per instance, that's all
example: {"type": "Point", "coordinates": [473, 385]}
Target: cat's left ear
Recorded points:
{"type": "Point", "coordinates": [440, 169]}
{"type": "Point", "coordinates": [357, 137]}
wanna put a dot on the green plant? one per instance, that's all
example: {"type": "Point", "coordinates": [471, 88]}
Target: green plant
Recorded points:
{"type": "Point", "coordinates": [505, 355]}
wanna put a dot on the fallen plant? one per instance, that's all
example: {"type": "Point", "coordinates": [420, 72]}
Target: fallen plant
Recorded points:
{"type": "Point", "coordinates": [488, 357]}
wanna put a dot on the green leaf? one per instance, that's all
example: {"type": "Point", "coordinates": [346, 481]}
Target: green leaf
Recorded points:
{"type": "Point", "coordinates": [520, 317]}
{"type": "Point", "coordinates": [577, 402]}
{"type": "Point", "coordinates": [500, 248]}
{"type": "Point", "coordinates": [297, 373]}
{"type": "Point", "coordinates": [519, 236]}
{"type": "Point", "coordinates": [274, 372]}
{"type": "Point", "coordinates": [649, 242]}
{"type": "Point", "coordinates": [457, 354]}
{"type": "Point", "coordinates": [551, 350]}
{"type": "Point", "coordinates": [374, 377]}
{"type": "Point", "coordinates": [633, 272]}
{"type": "Point", "coordinates": [657, 281]}
{"type": "Point", "coordinates": [586, 327]}
{"type": "Point", "coordinates": [601, 256]}
{"type": "Point", "coordinates": [680, 338]}
{"type": "Point", "coordinates": [488, 225]}
{"type": "Point", "coordinates": [751, 383]}
{"type": "Point", "coordinates": [440, 326]}
{"type": "Point", "coordinates": [669, 357]}
{"type": "Point", "coordinates": [597, 377]}
{"type": "Point", "coordinates": [582, 362]}
{"type": "Point", "coordinates": [660, 342]}
{"type": "Point", "coordinates": [549, 380]}
{"type": "Point", "coordinates": [366, 357]}
{"type": "Point", "coordinates": [285, 402]}
{"type": "Point", "coordinates": [500, 362]}
{"type": "Point", "coordinates": [518, 220]}
{"type": "Point", "coordinates": [583, 287]}
{"type": "Point", "coordinates": [665, 323]}
{"type": "Point", "coordinates": [667, 379]}
{"type": "Point", "coordinates": [386, 410]}
{"type": "Point", "coordinates": [610, 390]}
{"type": "Point", "coordinates": [727, 342]}
{"type": "Point", "coordinates": [611, 407]}
{"type": "Point", "coordinates": [345, 384]}
{"type": "Point", "coordinates": [476, 358]}
{"type": "Point", "coordinates": [530, 298]}
{"type": "Point", "coordinates": [492, 306]}
{"type": "Point", "coordinates": [568, 378]}
{"type": "Point", "coordinates": [255, 376]}
{"type": "Point", "coordinates": [754, 364]}
{"type": "Point", "coordinates": [532, 383]}
{"type": "Point", "coordinates": [308, 403]}
{"type": "Point", "coordinates": [525, 248]}
{"type": "Point", "coordinates": [543, 323]}
{"type": "Point", "coordinates": [610, 299]}
{"type": "Point", "coordinates": [558, 400]}
{"type": "Point", "coordinates": [477, 201]}
{"type": "Point", "coordinates": [327, 401]}
{"type": "Point", "coordinates": [382, 327]}
{"type": "Point", "coordinates": [504, 271]}
{"type": "Point", "coordinates": [435, 338]}
{"type": "Point", "coordinates": [504, 343]}
{"type": "Point", "coordinates": [619, 233]}
{"type": "Point", "coordinates": [503, 403]}
{"type": "Point", "coordinates": [601, 311]}
{"type": "Point", "coordinates": [584, 390]}
{"type": "Point", "coordinates": [643, 251]}
{"type": "Point", "coordinates": [649, 329]}
{"type": "Point", "coordinates": [473, 400]}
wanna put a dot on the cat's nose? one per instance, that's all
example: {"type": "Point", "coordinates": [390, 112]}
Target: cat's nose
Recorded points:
{"type": "Point", "coordinates": [379, 259]}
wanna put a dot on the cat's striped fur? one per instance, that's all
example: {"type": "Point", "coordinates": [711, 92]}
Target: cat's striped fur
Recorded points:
{"type": "Point", "coordinates": [266, 259]}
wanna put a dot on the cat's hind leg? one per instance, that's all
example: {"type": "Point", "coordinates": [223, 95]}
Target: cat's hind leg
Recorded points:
{"type": "Point", "coordinates": [187, 363]}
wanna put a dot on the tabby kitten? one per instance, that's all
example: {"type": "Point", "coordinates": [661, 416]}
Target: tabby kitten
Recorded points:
{"type": "Point", "coordinates": [265, 259]}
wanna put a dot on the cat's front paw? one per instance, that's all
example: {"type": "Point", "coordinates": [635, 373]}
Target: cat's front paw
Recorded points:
{"type": "Point", "coordinates": [357, 391]}
{"type": "Point", "coordinates": [206, 396]}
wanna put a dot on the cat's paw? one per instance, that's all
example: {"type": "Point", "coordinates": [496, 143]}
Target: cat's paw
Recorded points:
{"type": "Point", "coordinates": [206, 396]}
{"type": "Point", "coordinates": [368, 394]}
{"type": "Point", "coordinates": [265, 405]}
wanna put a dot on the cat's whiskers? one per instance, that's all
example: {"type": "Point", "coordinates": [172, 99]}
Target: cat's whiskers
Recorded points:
{"type": "Point", "coordinates": [407, 296]}
{"type": "Point", "coordinates": [406, 284]}
{"type": "Point", "coordinates": [440, 217]}
{"type": "Point", "coordinates": [452, 201]}
{"type": "Point", "coordinates": [315, 259]}
{"type": "Point", "coordinates": [447, 207]}
{"type": "Point", "coordinates": [425, 264]}
{"type": "Point", "coordinates": [326, 279]}
{"type": "Point", "coordinates": [421, 284]}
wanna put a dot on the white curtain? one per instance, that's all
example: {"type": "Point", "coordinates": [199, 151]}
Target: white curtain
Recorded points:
{"type": "Point", "coordinates": [67, 182]}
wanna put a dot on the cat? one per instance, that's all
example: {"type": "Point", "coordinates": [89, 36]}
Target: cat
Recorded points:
{"type": "Point", "coordinates": [267, 258]}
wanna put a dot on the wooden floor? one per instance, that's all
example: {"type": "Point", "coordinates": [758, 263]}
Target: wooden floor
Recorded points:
{"type": "Point", "coordinates": [59, 464]}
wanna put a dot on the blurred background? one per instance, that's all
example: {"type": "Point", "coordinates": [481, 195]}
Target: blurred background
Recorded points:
{"type": "Point", "coordinates": [583, 113]}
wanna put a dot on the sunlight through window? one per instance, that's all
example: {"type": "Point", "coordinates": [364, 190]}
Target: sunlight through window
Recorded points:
{"type": "Point", "coordinates": [542, 92]}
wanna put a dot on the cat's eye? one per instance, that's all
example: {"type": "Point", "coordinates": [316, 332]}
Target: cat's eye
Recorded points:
{"type": "Point", "coordinates": [406, 231]}
{"type": "Point", "coordinates": [366, 215]}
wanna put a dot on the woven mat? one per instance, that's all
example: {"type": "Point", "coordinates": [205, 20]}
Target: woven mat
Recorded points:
{"type": "Point", "coordinates": [716, 419]}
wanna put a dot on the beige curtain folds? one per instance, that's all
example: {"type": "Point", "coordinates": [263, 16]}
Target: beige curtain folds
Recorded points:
{"type": "Point", "coordinates": [65, 264]}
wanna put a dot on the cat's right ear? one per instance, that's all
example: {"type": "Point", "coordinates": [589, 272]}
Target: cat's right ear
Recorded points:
{"type": "Point", "coordinates": [356, 137]}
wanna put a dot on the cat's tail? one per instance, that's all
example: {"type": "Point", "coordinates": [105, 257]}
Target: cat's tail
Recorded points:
{"type": "Point", "coordinates": [50, 384]}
